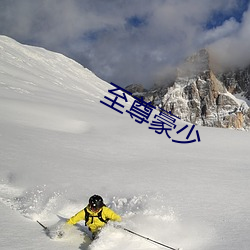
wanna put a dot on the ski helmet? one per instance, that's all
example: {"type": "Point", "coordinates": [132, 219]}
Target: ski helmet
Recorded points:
{"type": "Point", "coordinates": [95, 202]}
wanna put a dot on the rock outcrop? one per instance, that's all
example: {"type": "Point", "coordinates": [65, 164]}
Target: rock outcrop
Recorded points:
{"type": "Point", "coordinates": [200, 96]}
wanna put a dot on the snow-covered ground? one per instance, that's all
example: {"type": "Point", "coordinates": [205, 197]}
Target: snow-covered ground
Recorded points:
{"type": "Point", "coordinates": [59, 145]}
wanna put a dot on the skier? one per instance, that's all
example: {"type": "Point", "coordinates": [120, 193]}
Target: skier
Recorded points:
{"type": "Point", "coordinates": [95, 214]}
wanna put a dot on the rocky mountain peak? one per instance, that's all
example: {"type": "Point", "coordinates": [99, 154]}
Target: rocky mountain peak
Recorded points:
{"type": "Point", "coordinates": [200, 96]}
{"type": "Point", "coordinates": [237, 81]}
{"type": "Point", "coordinates": [197, 64]}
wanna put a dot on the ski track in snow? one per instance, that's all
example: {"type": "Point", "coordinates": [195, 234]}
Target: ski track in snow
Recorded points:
{"type": "Point", "coordinates": [145, 214]}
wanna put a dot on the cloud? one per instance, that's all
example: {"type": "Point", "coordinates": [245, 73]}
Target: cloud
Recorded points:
{"type": "Point", "coordinates": [124, 41]}
{"type": "Point", "coordinates": [233, 49]}
{"type": "Point", "coordinates": [228, 28]}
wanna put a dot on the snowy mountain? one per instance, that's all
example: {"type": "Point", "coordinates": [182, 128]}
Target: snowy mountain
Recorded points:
{"type": "Point", "coordinates": [202, 96]}
{"type": "Point", "coordinates": [237, 81]}
{"type": "Point", "coordinates": [59, 145]}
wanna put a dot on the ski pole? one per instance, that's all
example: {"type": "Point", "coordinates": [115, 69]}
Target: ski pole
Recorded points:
{"type": "Point", "coordinates": [45, 228]}
{"type": "Point", "coordinates": [146, 238]}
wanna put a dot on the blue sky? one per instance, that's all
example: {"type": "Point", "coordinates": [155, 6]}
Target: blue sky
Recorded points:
{"type": "Point", "coordinates": [218, 17]}
{"type": "Point", "coordinates": [131, 41]}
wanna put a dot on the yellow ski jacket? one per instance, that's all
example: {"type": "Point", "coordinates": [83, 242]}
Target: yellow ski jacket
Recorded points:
{"type": "Point", "coordinates": [94, 223]}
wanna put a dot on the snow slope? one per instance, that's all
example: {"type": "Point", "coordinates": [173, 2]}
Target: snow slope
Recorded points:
{"type": "Point", "coordinates": [59, 145]}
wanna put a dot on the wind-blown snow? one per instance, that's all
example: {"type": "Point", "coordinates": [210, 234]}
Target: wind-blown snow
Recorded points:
{"type": "Point", "coordinates": [59, 145]}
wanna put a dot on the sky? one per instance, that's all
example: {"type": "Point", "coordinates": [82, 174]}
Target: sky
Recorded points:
{"type": "Point", "coordinates": [132, 41]}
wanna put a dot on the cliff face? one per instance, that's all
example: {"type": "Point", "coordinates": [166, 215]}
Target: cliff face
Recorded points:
{"type": "Point", "coordinates": [201, 97]}
{"type": "Point", "coordinates": [237, 81]}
